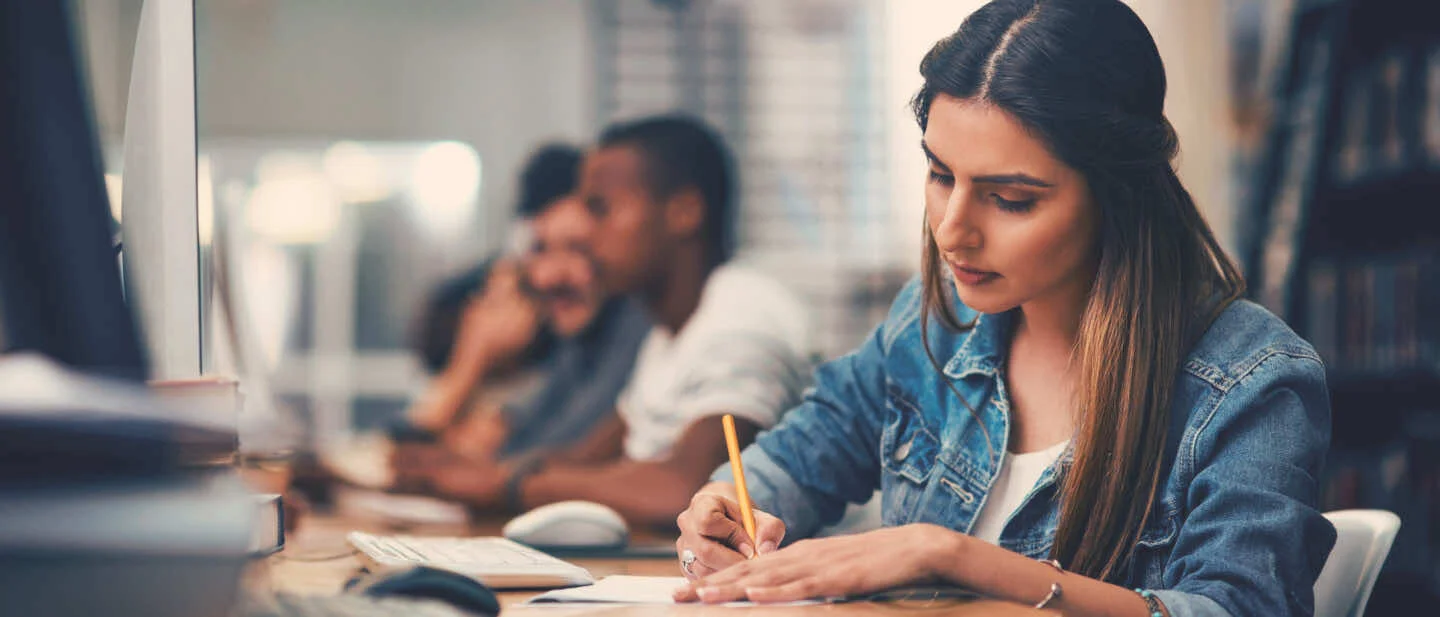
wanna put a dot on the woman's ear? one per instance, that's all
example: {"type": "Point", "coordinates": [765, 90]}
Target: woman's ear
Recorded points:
{"type": "Point", "coordinates": [684, 213]}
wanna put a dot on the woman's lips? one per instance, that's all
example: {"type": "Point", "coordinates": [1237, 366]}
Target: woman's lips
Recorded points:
{"type": "Point", "coordinates": [972, 277]}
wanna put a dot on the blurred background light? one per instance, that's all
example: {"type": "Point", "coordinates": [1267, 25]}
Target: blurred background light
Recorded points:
{"type": "Point", "coordinates": [115, 186]}
{"type": "Point", "coordinates": [293, 202]}
{"type": "Point", "coordinates": [444, 184]}
{"type": "Point", "coordinates": [272, 280]}
{"type": "Point", "coordinates": [205, 199]}
{"type": "Point", "coordinates": [357, 173]}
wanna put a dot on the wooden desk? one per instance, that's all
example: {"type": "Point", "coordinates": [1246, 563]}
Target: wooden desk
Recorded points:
{"type": "Point", "coordinates": [317, 560]}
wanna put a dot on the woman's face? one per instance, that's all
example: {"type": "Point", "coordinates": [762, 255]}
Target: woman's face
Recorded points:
{"type": "Point", "coordinates": [1013, 224]}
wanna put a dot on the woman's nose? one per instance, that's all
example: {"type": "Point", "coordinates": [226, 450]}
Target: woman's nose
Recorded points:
{"type": "Point", "coordinates": [957, 229]}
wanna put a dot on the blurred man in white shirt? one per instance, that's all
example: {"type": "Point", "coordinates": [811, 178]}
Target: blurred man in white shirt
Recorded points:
{"type": "Point", "coordinates": [727, 339]}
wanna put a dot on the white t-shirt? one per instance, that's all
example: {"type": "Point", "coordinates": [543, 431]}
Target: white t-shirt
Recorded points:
{"type": "Point", "coordinates": [744, 351]}
{"type": "Point", "coordinates": [1018, 474]}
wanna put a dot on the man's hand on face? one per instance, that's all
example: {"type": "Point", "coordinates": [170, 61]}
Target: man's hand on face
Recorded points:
{"type": "Point", "coordinates": [499, 323]}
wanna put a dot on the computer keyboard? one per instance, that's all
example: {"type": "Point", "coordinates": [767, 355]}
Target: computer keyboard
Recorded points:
{"type": "Point", "coordinates": [497, 562]}
{"type": "Point", "coordinates": [290, 605]}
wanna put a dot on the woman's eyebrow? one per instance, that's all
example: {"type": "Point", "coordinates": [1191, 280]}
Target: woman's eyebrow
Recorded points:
{"type": "Point", "coordinates": [1011, 178]}
{"type": "Point", "coordinates": [934, 160]}
{"type": "Point", "coordinates": [1015, 178]}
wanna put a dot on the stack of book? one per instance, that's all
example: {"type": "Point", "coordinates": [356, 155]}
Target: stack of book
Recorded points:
{"type": "Point", "coordinates": [1375, 315]}
{"type": "Point", "coordinates": [1391, 116]}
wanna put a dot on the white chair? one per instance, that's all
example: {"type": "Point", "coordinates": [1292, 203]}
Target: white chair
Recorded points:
{"type": "Point", "coordinates": [1362, 540]}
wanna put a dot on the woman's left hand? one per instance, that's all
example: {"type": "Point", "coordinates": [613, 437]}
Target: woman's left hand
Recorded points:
{"type": "Point", "coordinates": [832, 567]}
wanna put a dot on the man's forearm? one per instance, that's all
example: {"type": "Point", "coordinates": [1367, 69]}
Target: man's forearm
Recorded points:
{"type": "Point", "coordinates": [604, 445]}
{"type": "Point", "coordinates": [650, 494]}
{"type": "Point", "coordinates": [449, 393]}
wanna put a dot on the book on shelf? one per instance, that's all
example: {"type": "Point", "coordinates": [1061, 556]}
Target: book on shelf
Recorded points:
{"type": "Point", "coordinates": [1354, 318]}
{"type": "Point", "coordinates": [1351, 155]}
{"type": "Point", "coordinates": [1382, 343]}
{"type": "Point", "coordinates": [1377, 112]}
{"type": "Point", "coordinates": [1406, 319]}
{"type": "Point", "coordinates": [1296, 159]}
{"type": "Point", "coordinates": [1426, 303]}
{"type": "Point", "coordinates": [1389, 144]}
{"type": "Point", "coordinates": [1431, 118]}
{"type": "Point", "coordinates": [1374, 315]}
{"type": "Point", "coordinates": [1349, 233]}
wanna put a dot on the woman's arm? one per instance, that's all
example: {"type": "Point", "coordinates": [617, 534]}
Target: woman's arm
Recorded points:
{"type": "Point", "coordinates": [1253, 539]}
{"type": "Point", "coordinates": [643, 492]}
{"type": "Point", "coordinates": [850, 566]}
{"type": "Point", "coordinates": [801, 473]}
{"type": "Point", "coordinates": [976, 564]}
{"type": "Point", "coordinates": [826, 452]}
{"type": "Point", "coordinates": [448, 393]}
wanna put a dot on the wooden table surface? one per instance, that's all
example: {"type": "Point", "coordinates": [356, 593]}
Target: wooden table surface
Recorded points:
{"type": "Point", "coordinates": [317, 560]}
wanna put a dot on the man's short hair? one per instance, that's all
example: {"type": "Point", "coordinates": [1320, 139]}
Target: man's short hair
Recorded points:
{"type": "Point", "coordinates": [680, 152]}
{"type": "Point", "coordinates": [550, 173]}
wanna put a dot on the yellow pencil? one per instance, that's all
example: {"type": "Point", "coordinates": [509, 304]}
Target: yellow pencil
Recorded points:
{"type": "Point", "coordinates": [733, 444]}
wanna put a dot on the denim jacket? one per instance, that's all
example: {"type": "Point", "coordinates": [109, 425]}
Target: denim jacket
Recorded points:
{"type": "Point", "coordinates": [1236, 530]}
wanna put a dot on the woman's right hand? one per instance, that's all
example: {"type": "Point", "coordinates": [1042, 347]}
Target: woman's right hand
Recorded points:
{"type": "Point", "coordinates": [712, 529]}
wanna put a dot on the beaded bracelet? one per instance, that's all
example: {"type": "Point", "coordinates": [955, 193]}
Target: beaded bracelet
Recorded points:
{"type": "Point", "coordinates": [1151, 602]}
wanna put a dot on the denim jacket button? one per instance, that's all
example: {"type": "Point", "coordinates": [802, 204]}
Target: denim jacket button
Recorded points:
{"type": "Point", "coordinates": [904, 450]}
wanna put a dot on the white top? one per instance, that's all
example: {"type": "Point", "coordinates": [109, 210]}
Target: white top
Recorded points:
{"type": "Point", "coordinates": [744, 352]}
{"type": "Point", "coordinates": [1018, 474]}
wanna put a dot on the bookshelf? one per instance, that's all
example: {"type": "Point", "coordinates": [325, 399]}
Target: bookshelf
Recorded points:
{"type": "Point", "coordinates": [1345, 216]}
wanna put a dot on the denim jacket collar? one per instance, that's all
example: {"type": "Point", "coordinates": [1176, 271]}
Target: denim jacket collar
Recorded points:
{"type": "Point", "coordinates": [983, 351]}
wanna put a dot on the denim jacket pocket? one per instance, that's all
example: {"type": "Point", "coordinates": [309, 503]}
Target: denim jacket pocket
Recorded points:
{"type": "Point", "coordinates": [1152, 551]}
{"type": "Point", "coordinates": [908, 451]}
{"type": "Point", "coordinates": [1161, 529]}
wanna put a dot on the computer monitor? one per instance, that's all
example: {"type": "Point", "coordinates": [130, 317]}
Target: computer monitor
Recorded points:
{"type": "Point", "coordinates": [60, 288]}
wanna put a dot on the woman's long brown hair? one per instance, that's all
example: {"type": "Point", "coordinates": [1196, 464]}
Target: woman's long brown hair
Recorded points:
{"type": "Point", "coordinates": [1085, 77]}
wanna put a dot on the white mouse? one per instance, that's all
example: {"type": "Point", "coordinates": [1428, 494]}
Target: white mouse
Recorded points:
{"type": "Point", "coordinates": [569, 524]}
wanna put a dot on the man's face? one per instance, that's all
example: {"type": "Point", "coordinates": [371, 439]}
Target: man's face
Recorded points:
{"type": "Point", "coordinates": [627, 235]}
{"type": "Point", "coordinates": [560, 270]}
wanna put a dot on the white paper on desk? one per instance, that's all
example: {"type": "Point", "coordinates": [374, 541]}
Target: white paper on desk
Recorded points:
{"type": "Point", "coordinates": [630, 590]}
{"type": "Point", "coordinates": [363, 460]}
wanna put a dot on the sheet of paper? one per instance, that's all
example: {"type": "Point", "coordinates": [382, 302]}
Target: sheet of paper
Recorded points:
{"type": "Point", "coordinates": [363, 460]}
{"type": "Point", "coordinates": [628, 590]}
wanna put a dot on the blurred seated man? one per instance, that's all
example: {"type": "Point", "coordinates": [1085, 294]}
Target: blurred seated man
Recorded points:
{"type": "Point", "coordinates": [596, 339]}
{"type": "Point", "coordinates": [549, 173]}
{"type": "Point", "coordinates": [659, 194]}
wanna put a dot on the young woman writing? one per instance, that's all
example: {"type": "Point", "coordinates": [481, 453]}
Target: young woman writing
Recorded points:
{"type": "Point", "coordinates": [1073, 378]}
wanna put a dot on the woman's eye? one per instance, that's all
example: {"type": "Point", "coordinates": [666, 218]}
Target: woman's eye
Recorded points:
{"type": "Point", "coordinates": [939, 178]}
{"type": "Point", "coordinates": [1007, 205]}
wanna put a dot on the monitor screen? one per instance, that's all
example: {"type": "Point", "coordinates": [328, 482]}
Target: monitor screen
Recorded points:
{"type": "Point", "coordinates": [60, 288]}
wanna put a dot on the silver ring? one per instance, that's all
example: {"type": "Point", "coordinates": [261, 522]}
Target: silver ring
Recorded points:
{"type": "Point", "coordinates": [687, 557]}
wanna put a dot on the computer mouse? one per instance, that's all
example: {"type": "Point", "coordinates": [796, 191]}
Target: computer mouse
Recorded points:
{"type": "Point", "coordinates": [425, 583]}
{"type": "Point", "coordinates": [569, 524]}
